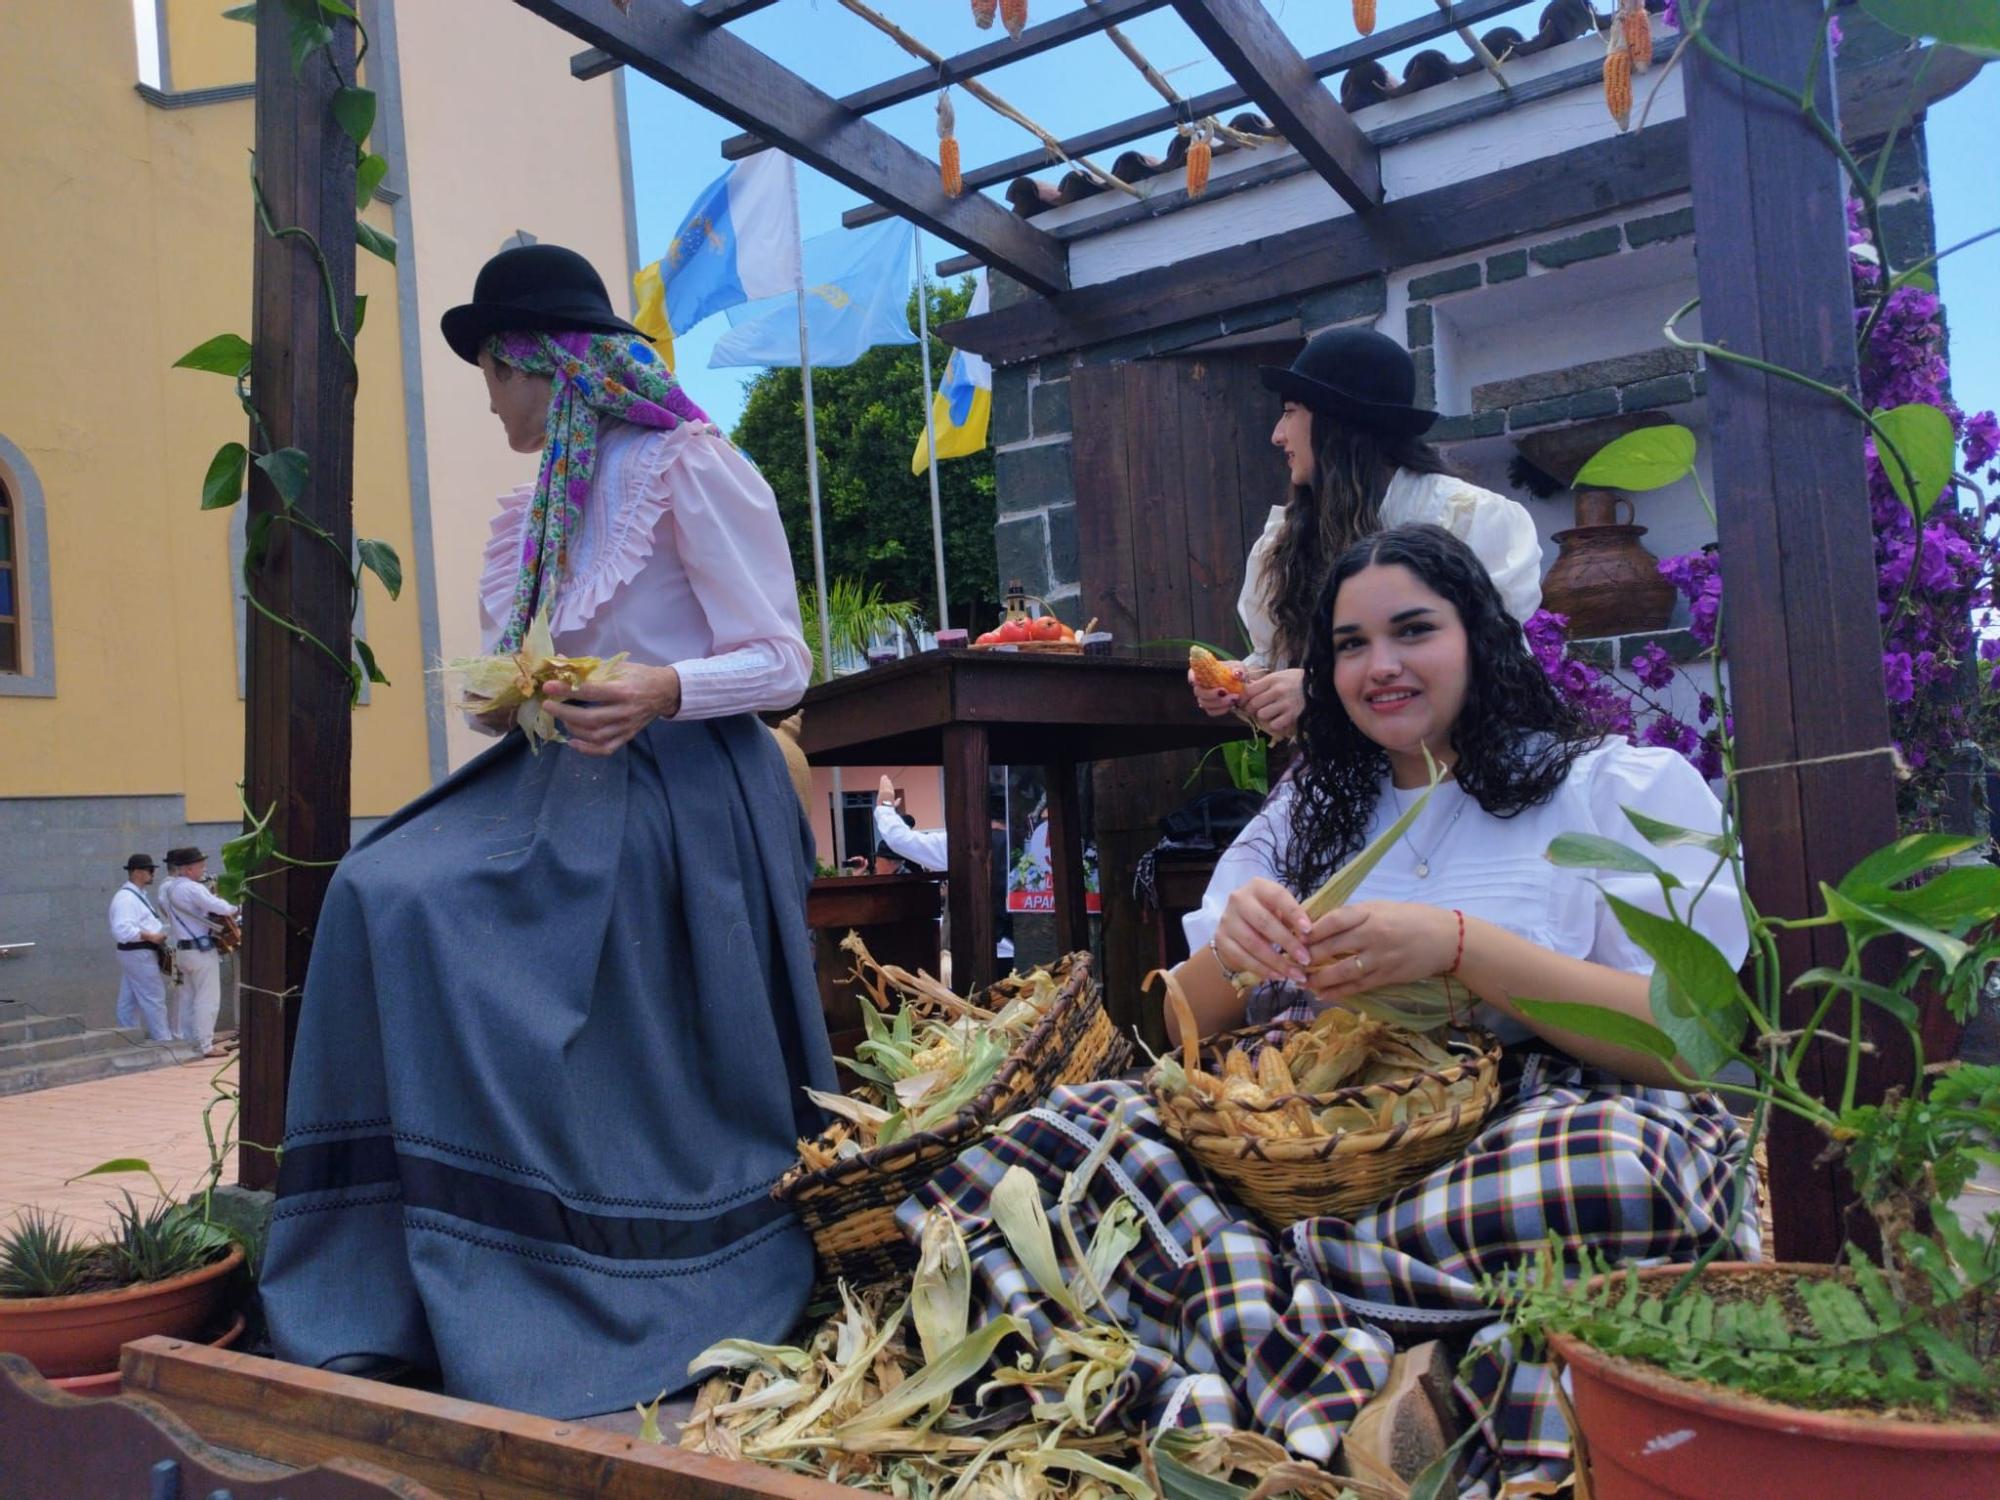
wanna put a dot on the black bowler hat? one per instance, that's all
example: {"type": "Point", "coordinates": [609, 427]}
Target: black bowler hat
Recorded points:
{"type": "Point", "coordinates": [1355, 375]}
{"type": "Point", "coordinates": [540, 287]}
{"type": "Point", "coordinates": [139, 862]}
{"type": "Point", "coordinates": [183, 857]}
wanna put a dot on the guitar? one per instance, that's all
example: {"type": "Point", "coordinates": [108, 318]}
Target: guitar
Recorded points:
{"type": "Point", "coordinates": [228, 932]}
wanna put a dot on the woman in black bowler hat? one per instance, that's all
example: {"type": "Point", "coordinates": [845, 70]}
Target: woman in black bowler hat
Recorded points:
{"type": "Point", "coordinates": [561, 1016]}
{"type": "Point", "coordinates": [1357, 463]}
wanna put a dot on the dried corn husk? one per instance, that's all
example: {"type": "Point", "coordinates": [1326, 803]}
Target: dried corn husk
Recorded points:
{"type": "Point", "coordinates": [1200, 157]}
{"type": "Point", "coordinates": [951, 175]}
{"type": "Point", "coordinates": [1618, 80]}
{"type": "Point", "coordinates": [1638, 33]}
{"type": "Point", "coordinates": [941, 1288]}
{"type": "Point", "coordinates": [522, 683]}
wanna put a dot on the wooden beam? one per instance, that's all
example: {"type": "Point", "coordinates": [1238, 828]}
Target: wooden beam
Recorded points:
{"type": "Point", "coordinates": [593, 61]}
{"type": "Point", "coordinates": [1041, 37]}
{"type": "Point", "coordinates": [724, 73]}
{"type": "Point", "coordinates": [298, 728]}
{"type": "Point", "coordinates": [1547, 193]}
{"type": "Point", "coordinates": [1589, 180]}
{"type": "Point", "coordinates": [1797, 544]}
{"type": "Point", "coordinates": [1242, 36]}
{"type": "Point", "coordinates": [1215, 101]}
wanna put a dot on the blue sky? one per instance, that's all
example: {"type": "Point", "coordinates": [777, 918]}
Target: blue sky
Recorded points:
{"type": "Point", "coordinates": [1089, 83]}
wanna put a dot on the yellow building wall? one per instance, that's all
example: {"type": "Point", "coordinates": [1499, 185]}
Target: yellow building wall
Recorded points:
{"type": "Point", "coordinates": [511, 144]}
{"type": "Point", "coordinates": [128, 241]}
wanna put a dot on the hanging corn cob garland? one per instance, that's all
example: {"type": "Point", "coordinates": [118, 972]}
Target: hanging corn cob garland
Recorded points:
{"type": "Point", "coordinates": [982, 13]}
{"type": "Point", "coordinates": [1618, 78]}
{"type": "Point", "coordinates": [1014, 16]}
{"type": "Point", "coordinates": [1199, 155]}
{"type": "Point", "coordinates": [1638, 33]}
{"type": "Point", "coordinates": [949, 174]}
{"type": "Point", "coordinates": [1364, 16]}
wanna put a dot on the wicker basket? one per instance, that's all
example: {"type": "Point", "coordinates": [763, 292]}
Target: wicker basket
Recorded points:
{"type": "Point", "coordinates": [850, 1207]}
{"type": "Point", "coordinates": [1284, 1180]}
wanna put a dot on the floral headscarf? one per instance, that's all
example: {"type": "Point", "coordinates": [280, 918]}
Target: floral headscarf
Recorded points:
{"type": "Point", "coordinates": [596, 375]}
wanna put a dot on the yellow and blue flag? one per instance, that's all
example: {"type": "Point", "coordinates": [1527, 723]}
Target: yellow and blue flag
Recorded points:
{"type": "Point", "coordinates": [857, 285]}
{"type": "Point", "coordinates": [964, 401]}
{"type": "Point", "coordinates": [651, 318]}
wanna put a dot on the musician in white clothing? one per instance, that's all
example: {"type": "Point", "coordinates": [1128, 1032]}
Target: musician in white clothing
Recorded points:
{"type": "Point", "coordinates": [140, 935]}
{"type": "Point", "coordinates": [188, 906]}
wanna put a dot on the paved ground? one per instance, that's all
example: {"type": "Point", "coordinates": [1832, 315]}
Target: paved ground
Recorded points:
{"type": "Point", "coordinates": [51, 1135]}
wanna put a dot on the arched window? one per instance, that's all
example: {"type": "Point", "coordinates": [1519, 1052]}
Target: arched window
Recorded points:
{"type": "Point", "coordinates": [27, 656]}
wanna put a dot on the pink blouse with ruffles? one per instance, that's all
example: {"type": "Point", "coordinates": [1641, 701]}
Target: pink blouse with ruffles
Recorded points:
{"type": "Point", "coordinates": [680, 561]}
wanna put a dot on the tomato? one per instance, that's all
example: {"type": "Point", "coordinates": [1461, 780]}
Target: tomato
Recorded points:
{"type": "Point", "coordinates": [1049, 628]}
{"type": "Point", "coordinates": [990, 638]}
{"type": "Point", "coordinates": [1014, 632]}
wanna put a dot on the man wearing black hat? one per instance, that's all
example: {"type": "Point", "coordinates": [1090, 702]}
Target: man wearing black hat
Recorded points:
{"type": "Point", "coordinates": [188, 905]}
{"type": "Point", "coordinates": [140, 935]}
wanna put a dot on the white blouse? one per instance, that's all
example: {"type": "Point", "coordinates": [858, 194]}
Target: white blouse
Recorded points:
{"type": "Point", "coordinates": [1495, 868]}
{"type": "Point", "coordinates": [1500, 531]}
{"type": "Point", "coordinates": [681, 561]}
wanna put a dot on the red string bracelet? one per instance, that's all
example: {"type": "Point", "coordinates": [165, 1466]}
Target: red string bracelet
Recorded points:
{"type": "Point", "coordinates": [1458, 957]}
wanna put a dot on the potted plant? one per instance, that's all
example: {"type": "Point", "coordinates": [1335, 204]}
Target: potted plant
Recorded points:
{"type": "Point", "coordinates": [69, 1303]}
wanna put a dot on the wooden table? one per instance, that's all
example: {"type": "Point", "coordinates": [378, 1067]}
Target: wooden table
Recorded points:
{"type": "Point", "coordinates": [969, 710]}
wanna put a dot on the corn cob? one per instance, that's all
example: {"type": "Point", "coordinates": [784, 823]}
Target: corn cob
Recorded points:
{"type": "Point", "coordinates": [982, 13]}
{"type": "Point", "coordinates": [1364, 16]}
{"type": "Point", "coordinates": [1199, 156]}
{"type": "Point", "coordinates": [1014, 16]}
{"type": "Point", "coordinates": [1618, 83]}
{"type": "Point", "coordinates": [1210, 671]}
{"type": "Point", "coordinates": [1638, 35]}
{"type": "Point", "coordinates": [950, 177]}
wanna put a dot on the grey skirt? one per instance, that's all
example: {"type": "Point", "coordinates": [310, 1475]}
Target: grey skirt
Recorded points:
{"type": "Point", "coordinates": [559, 1017]}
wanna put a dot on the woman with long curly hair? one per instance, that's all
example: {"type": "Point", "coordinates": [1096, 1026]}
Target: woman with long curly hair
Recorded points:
{"type": "Point", "coordinates": [1356, 462]}
{"type": "Point", "coordinates": [1337, 1336]}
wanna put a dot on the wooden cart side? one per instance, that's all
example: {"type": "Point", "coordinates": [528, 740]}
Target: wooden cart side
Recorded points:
{"type": "Point", "coordinates": [460, 1449]}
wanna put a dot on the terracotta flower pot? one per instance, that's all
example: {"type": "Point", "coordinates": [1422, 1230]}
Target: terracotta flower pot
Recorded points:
{"type": "Point", "coordinates": [82, 1335]}
{"type": "Point", "coordinates": [1649, 1436]}
{"type": "Point", "coordinates": [111, 1382]}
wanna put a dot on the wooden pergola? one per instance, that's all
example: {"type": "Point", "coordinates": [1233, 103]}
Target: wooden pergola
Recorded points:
{"type": "Point", "coordinates": [1797, 550]}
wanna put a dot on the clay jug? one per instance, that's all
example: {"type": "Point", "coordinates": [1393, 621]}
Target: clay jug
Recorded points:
{"type": "Point", "coordinates": [1603, 578]}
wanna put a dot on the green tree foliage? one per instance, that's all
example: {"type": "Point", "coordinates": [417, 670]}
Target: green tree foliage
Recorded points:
{"type": "Point", "coordinates": [876, 513]}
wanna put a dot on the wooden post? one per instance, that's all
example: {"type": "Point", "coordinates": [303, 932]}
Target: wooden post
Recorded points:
{"type": "Point", "coordinates": [1797, 547]}
{"type": "Point", "coordinates": [298, 730]}
{"type": "Point", "coordinates": [969, 847]}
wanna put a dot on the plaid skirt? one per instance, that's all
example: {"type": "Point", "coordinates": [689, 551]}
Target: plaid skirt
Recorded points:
{"type": "Point", "coordinates": [1289, 1335]}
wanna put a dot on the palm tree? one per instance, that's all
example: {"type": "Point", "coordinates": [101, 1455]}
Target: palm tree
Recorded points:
{"type": "Point", "coordinates": [855, 615]}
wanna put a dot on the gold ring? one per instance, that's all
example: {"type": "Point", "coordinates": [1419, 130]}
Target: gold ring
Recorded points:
{"type": "Point", "coordinates": [1360, 964]}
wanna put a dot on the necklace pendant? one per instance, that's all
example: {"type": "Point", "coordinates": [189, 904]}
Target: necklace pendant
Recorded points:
{"type": "Point", "coordinates": [1423, 869]}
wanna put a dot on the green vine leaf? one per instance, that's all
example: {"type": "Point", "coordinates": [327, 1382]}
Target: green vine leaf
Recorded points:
{"type": "Point", "coordinates": [367, 654]}
{"type": "Point", "coordinates": [354, 111]}
{"type": "Point", "coordinates": [338, 8]}
{"type": "Point", "coordinates": [225, 354]}
{"type": "Point", "coordinates": [1972, 25]}
{"type": "Point", "coordinates": [1864, 921]}
{"type": "Point", "coordinates": [1605, 1025]}
{"type": "Point", "coordinates": [242, 13]}
{"type": "Point", "coordinates": [1923, 281]}
{"type": "Point", "coordinates": [1899, 1006]}
{"type": "Point", "coordinates": [222, 486]}
{"type": "Point", "coordinates": [371, 239]}
{"type": "Point", "coordinates": [1593, 851]}
{"type": "Point", "coordinates": [360, 313]}
{"type": "Point", "coordinates": [242, 855]}
{"type": "Point", "coordinates": [368, 175]}
{"type": "Point", "coordinates": [379, 558]}
{"type": "Point", "coordinates": [1700, 1045]}
{"type": "Point", "coordinates": [1895, 863]}
{"type": "Point", "coordinates": [1650, 459]}
{"type": "Point", "coordinates": [1922, 436]}
{"type": "Point", "coordinates": [1671, 835]}
{"type": "Point", "coordinates": [1695, 965]}
{"type": "Point", "coordinates": [289, 469]}
{"type": "Point", "coordinates": [309, 32]}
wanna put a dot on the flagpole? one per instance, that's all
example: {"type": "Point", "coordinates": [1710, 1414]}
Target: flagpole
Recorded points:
{"type": "Point", "coordinates": [930, 429]}
{"type": "Point", "coordinates": [819, 545]}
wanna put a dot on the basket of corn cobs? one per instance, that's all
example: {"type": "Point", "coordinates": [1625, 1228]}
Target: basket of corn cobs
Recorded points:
{"type": "Point", "coordinates": [937, 1072]}
{"type": "Point", "coordinates": [1323, 1117]}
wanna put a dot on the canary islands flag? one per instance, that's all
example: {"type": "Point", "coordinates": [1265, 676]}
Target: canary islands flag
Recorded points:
{"type": "Point", "coordinates": [739, 242]}
{"type": "Point", "coordinates": [857, 299]}
{"type": "Point", "coordinates": [963, 403]}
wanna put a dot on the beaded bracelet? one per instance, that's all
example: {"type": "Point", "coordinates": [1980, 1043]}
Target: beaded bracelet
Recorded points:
{"type": "Point", "coordinates": [1458, 957]}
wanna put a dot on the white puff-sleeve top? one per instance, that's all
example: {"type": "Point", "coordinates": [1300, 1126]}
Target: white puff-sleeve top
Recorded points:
{"type": "Point", "coordinates": [680, 561]}
{"type": "Point", "coordinates": [1499, 531]}
{"type": "Point", "coordinates": [1494, 868]}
